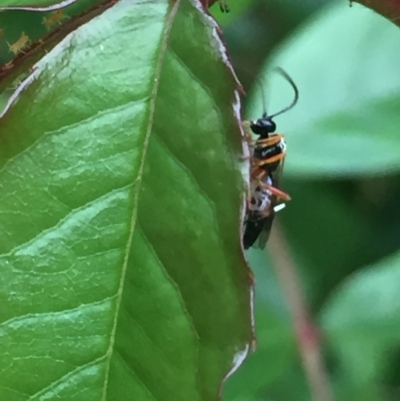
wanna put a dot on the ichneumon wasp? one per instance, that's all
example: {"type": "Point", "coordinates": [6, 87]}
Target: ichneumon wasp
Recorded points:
{"type": "Point", "coordinates": [266, 169]}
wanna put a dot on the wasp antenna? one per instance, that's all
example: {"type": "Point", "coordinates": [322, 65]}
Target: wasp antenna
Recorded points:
{"type": "Point", "coordinates": [284, 74]}
{"type": "Point", "coordinates": [259, 83]}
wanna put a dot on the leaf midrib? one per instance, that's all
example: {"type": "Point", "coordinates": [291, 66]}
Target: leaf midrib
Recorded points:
{"type": "Point", "coordinates": [156, 81]}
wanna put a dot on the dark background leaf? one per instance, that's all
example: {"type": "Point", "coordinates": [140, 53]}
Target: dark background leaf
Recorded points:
{"type": "Point", "coordinates": [342, 174]}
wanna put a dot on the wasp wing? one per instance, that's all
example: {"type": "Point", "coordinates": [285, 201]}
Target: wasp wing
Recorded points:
{"type": "Point", "coordinates": [260, 213]}
{"type": "Point", "coordinates": [265, 232]}
{"type": "Point", "coordinates": [253, 228]}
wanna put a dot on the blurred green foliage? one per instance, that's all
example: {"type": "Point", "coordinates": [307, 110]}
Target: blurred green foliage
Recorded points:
{"type": "Point", "coordinates": [342, 171]}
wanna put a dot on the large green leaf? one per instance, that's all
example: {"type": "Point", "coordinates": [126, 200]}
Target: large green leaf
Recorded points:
{"type": "Point", "coordinates": [122, 274]}
{"type": "Point", "coordinates": [346, 122]}
{"type": "Point", "coordinates": [36, 4]}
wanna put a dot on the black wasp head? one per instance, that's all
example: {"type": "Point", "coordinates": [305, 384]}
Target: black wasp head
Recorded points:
{"type": "Point", "coordinates": [263, 126]}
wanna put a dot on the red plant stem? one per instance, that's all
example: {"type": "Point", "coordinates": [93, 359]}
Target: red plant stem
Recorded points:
{"type": "Point", "coordinates": [305, 330]}
{"type": "Point", "coordinates": [388, 8]}
{"type": "Point", "coordinates": [208, 3]}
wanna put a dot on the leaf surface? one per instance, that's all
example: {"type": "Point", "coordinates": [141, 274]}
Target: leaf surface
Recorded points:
{"type": "Point", "coordinates": [121, 190]}
{"type": "Point", "coordinates": [35, 3]}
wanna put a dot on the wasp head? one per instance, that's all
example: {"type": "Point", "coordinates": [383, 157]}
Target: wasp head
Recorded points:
{"type": "Point", "coordinates": [263, 126]}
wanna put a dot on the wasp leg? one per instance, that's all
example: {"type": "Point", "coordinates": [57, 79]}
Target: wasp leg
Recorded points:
{"type": "Point", "coordinates": [276, 191]}
{"type": "Point", "coordinates": [246, 125]}
{"type": "Point", "coordinates": [247, 132]}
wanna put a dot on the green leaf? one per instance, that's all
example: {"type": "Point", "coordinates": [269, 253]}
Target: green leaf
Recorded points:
{"type": "Point", "coordinates": [362, 321]}
{"type": "Point", "coordinates": [35, 3]}
{"type": "Point", "coordinates": [123, 276]}
{"type": "Point", "coordinates": [25, 33]}
{"type": "Point", "coordinates": [236, 8]}
{"type": "Point", "coordinates": [346, 121]}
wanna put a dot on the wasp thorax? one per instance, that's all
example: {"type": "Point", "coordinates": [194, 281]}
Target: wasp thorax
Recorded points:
{"type": "Point", "coordinates": [263, 126]}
